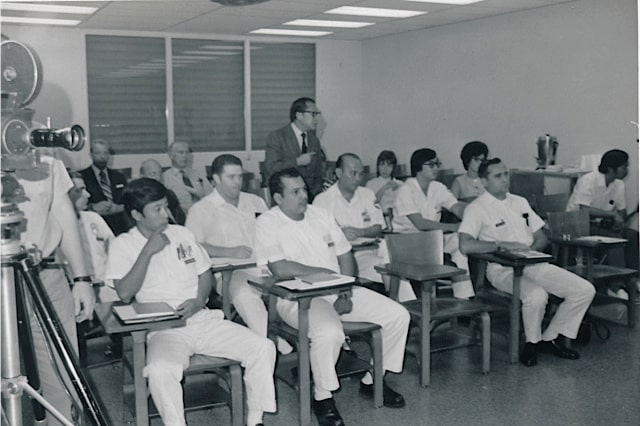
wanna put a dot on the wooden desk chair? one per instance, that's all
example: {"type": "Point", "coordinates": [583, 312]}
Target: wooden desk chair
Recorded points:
{"type": "Point", "coordinates": [551, 203]}
{"type": "Point", "coordinates": [426, 248]}
{"type": "Point", "coordinates": [125, 171]}
{"type": "Point", "coordinates": [567, 228]}
{"type": "Point", "coordinates": [208, 382]}
{"type": "Point", "coordinates": [529, 186]}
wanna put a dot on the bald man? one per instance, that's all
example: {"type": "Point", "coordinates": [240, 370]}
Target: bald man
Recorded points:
{"type": "Point", "coordinates": [189, 185]}
{"type": "Point", "coordinates": [152, 169]}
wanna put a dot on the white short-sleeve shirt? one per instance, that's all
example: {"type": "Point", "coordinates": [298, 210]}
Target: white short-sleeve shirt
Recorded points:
{"type": "Point", "coordinates": [172, 275]}
{"type": "Point", "coordinates": [42, 186]}
{"type": "Point", "coordinates": [411, 199]}
{"type": "Point", "coordinates": [490, 219]}
{"type": "Point", "coordinates": [316, 240]}
{"type": "Point", "coordinates": [214, 221]}
{"type": "Point", "coordinates": [389, 195]}
{"type": "Point", "coordinates": [96, 236]}
{"type": "Point", "coordinates": [362, 211]}
{"type": "Point", "coordinates": [591, 190]}
{"type": "Point", "coordinates": [172, 178]}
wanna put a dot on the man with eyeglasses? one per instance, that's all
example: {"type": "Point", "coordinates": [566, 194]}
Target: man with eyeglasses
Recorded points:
{"type": "Point", "coordinates": [296, 145]}
{"type": "Point", "coordinates": [418, 207]}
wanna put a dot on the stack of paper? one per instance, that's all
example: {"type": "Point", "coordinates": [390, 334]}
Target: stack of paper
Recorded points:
{"type": "Point", "coordinates": [145, 312]}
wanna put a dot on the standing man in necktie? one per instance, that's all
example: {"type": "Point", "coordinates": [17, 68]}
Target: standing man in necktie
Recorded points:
{"type": "Point", "coordinates": [105, 187]}
{"type": "Point", "coordinates": [188, 185]}
{"type": "Point", "coordinates": [296, 145]}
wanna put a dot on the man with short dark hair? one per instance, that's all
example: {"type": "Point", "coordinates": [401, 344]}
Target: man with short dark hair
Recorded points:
{"type": "Point", "coordinates": [499, 220]}
{"type": "Point", "coordinates": [296, 145]}
{"type": "Point", "coordinates": [152, 169]}
{"type": "Point", "coordinates": [359, 215]}
{"type": "Point", "coordinates": [158, 262]}
{"type": "Point", "coordinates": [418, 207]}
{"type": "Point", "coordinates": [105, 186]}
{"type": "Point", "coordinates": [224, 224]}
{"type": "Point", "coordinates": [188, 185]}
{"type": "Point", "coordinates": [294, 239]}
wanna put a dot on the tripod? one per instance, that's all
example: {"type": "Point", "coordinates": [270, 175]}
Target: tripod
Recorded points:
{"type": "Point", "coordinates": [19, 272]}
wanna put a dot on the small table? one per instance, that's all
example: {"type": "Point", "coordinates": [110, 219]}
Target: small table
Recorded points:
{"type": "Point", "coordinates": [226, 266]}
{"type": "Point", "coordinates": [426, 275]}
{"type": "Point", "coordinates": [113, 325]}
{"type": "Point", "coordinates": [303, 298]}
{"type": "Point", "coordinates": [518, 266]}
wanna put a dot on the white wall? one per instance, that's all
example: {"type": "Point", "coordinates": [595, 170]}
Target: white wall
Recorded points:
{"type": "Point", "coordinates": [63, 96]}
{"type": "Point", "coordinates": [569, 70]}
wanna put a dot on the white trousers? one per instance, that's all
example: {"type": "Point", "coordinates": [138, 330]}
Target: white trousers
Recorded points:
{"type": "Point", "coordinates": [327, 335]}
{"type": "Point", "coordinates": [537, 281]}
{"type": "Point", "coordinates": [368, 259]}
{"type": "Point", "coordinates": [248, 302]}
{"type": "Point", "coordinates": [461, 286]}
{"type": "Point", "coordinates": [57, 288]}
{"type": "Point", "coordinates": [208, 333]}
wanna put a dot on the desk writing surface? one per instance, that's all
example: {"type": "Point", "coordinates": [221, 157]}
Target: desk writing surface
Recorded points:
{"type": "Point", "coordinates": [270, 285]}
{"type": "Point", "coordinates": [568, 172]}
{"type": "Point", "coordinates": [491, 257]}
{"type": "Point", "coordinates": [419, 272]}
{"type": "Point", "coordinates": [112, 324]}
{"type": "Point", "coordinates": [219, 264]}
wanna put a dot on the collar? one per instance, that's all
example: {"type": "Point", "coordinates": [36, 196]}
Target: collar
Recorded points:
{"type": "Point", "coordinates": [97, 171]}
{"type": "Point", "coordinates": [298, 132]}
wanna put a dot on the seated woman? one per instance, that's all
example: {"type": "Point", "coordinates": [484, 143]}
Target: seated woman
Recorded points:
{"type": "Point", "coordinates": [95, 235]}
{"type": "Point", "coordinates": [385, 185]}
{"type": "Point", "coordinates": [468, 186]}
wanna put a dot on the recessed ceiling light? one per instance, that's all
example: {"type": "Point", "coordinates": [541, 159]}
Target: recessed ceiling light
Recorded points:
{"type": "Point", "coordinates": [373, 11]}
{"type": "Point", "coordinates": [299, 33]}
{"type": "Point", "coordinates": [38, 21]}
{"type": "Point", "coordinates": [324, 23]}
{"type": "Point", "coordinates": [458, 2]}
{"type": "Point", "coordinates": [48, 8]}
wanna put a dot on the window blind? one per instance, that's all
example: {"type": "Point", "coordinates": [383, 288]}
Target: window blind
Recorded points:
{"type": "Point", "coordinates": [127, 95]}
{"type": "Point", "coordinates": [280, 74]}
{"type": "Point", "coordinates": [208, 100]}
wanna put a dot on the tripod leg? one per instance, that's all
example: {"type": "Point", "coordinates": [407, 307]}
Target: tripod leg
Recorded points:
{"type": "Point", "coordinates": [11, 395]}
{"type": "Point", "coordinates": [26, 349]}
{"type": "Point", "coordinates": [60, 341]}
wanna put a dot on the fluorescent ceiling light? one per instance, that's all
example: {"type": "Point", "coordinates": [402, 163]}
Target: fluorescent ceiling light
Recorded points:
{"type": "Point", "coordinates": [48, 8]}
{"type": "Point", "coordinates": [458, 2]}
{"type": "Point", "coordinates": [373, 11]}
{"type": "Point", "coordinates": [323, 23]}
{"type": "Point", "coordinates": [38, 21]}
{"type": "Point", "coordinates": [299, 33]}
{"type": "Point", "coordinates": [209, 53]}
{"type": "Point", "coordinates": [221, 47]}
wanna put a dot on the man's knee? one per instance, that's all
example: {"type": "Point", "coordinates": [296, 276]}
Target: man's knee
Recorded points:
{"type": "Point", "coordinates": [328, 333]}
{"type": "Point", "coordinates": [163, 372]}
{"type": "Point", "coordinates": [536, 299]}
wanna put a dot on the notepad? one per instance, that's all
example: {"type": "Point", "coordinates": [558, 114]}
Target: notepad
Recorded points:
{"type": "Point", "coordinates": [363, 242]}
{"type": "Point", "coordinates": [601, 239]}
{"type": "Point", "coordinates": [145, 312]}
{"type": "Point", "coordinates": [232, 261]}
{"type": "Point", "coordinates": [325, 279]}
{"type": "Point", "coordinates": [523, 254]}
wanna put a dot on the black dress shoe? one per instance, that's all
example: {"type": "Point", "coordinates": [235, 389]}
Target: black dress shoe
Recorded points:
{"type": "Point", "coordinates": [555, 347]}
{"type": "Point", "coordinates": [390, 398]}
{"type": "Point", "coordinates": [327, 413]}
{"type": "Point", "coordinates": [529, 355]}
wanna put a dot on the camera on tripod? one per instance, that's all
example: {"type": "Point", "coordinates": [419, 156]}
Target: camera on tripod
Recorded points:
{"type": "Point", "coordinates": [21, 82]}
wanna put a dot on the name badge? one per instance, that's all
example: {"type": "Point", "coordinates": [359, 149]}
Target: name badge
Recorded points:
{"type": "Point", "coordinates": [327, 239]}
{"type": "Point", "coordinates": [501, 223]}
{"type": "Point", "coordinates": [366, 217]}
{"type": "Point", "coordinates": [185, 254]}
{"type": "Point", "coordinates": [119, 185]}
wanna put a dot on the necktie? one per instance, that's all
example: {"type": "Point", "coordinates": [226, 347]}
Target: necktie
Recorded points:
{"type": "Point", "coordinates": [304, 143]}
{"type": "Point", "coordinates": [104, 185]}
{"type": "Point", "coordinates": [187, 182]}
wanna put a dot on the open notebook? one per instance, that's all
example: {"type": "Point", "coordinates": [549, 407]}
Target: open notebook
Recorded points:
{"type": "Point", "coordinates": [523, 254]}
{"type": "Point", "coordinates": [322, 279]}
{"type": "Point", "coordinates": [144, 312]}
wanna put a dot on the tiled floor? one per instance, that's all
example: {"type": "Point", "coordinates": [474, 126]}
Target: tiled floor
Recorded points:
{"type": "Point", "coordinates": [601, 388]}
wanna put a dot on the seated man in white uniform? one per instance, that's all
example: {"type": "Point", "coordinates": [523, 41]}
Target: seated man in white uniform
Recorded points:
{"type": "Point", "coordinates": [224, 224]}
{"type": "Point", "coordinates": [498, 220]}
{"type": "Point", "coordinates": [603, 194]}
{"type": "Point", "coordinates": [418, 207]}
{"type": "Point", "coordinates": [358, 214]}
{"type": "Point", "coordinates": [158, 262]}
{"type": "Point", "coordinates": [295, 239]}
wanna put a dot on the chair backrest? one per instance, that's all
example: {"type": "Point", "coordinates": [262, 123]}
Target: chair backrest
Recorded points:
{"type": "Point", "coordinates": [527, 185]}
{"type": "Point", "coordinates": [552, 203]}
{"type": "Point", "coordinates": [571, 224]}
{"type": "Point", "coordinates": [125, 171]}
{"type": "Point", "coordinates": [422, 248]}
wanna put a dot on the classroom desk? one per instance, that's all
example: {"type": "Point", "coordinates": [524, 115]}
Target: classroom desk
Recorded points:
{"type": "Point", "coordinates": [518, 266]}
{"type": "Point", "coordinates": [226, 266]}
{"type": "Point", "coordinates": [426, 275]}
{"type": "Point", "coordinates": [303, 298]}
{"type": "Point", "coordinates": [113, 325]}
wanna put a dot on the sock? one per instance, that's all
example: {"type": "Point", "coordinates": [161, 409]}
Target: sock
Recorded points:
{"type": "Point", "coordinates": [367, 379]}
{"type": "Point", "coordinates": [254, 417]}
{"type": "Point", "coordinates": [320, 394]}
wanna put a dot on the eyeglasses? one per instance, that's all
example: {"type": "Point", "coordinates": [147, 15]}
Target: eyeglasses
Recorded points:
{"type": "Point", "coordinates": [479, 158]}
{"type": "Point", "coordinates": [313, 113]}
{"type": "Point", "coordinates": [433, 164]}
